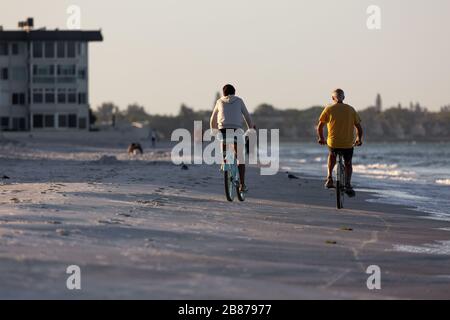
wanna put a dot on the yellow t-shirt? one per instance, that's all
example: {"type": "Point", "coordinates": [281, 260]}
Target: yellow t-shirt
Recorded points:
{"type": "Point", "coordinates": [341, 120]}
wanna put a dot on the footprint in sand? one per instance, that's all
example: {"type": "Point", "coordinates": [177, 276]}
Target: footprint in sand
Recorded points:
{"type": "Point", "coordinates": [63, 232]}
{"type": "Point", "coordinates": [126, 215]}
{"type": "Point", "coordinates": [112, 221]}
{"type": "Point", "coordinates": [54, 222]}
{"type": "Point", "coordinates": [158, 202]}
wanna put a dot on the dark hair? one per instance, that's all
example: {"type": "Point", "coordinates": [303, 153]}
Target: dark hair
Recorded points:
{"type": "Point", "coordinates": [228, 90]}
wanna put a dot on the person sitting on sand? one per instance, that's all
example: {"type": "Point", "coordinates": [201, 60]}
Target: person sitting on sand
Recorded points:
{"type": "Point", "coordinates": [228, 113]}
{"type": "Point", "coordinates": [341, 120]}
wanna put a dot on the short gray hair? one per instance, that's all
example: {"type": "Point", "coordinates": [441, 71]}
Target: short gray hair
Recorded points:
{"type": "Point", "coordinates": [338, 94]}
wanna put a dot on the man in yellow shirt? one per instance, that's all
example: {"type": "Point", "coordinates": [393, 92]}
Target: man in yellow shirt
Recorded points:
{"type": "Point", "coordinates": [341, 120]}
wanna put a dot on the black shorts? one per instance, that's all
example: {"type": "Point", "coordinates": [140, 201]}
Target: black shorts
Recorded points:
{"type": "Point", "coordinates": [232, 131]}
{"type": "Point", "coordinates": [346, 153]}
{"type": "Point", "coordinates": [224, 133]}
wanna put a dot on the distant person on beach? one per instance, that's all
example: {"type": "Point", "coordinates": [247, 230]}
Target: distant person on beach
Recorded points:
{"type": "Point", "coordinates": [341, 120]}
{"type": "Point", "coordinates": [153, 139]}
{"type": "Point", "coordinates": [229, 113]}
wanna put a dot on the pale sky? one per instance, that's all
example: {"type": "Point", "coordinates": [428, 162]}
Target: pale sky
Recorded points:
{"type": "Point", "coordinates": [289, 53]}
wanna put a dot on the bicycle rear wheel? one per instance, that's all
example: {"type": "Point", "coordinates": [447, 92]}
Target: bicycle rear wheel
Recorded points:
{"type": "Point", "coordinates": [229, 185]}
{"type": "Point", "coordinates": [339, 195]}
{"type": "Point", "coordinates": [340, 185]}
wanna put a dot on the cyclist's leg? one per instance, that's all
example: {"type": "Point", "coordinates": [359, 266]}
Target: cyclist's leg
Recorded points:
{"type": "Point", "coordinates": [241, 167]}
{"type": "Point", "coordinates": [224, 152]}
{"type": "Point", "coordinates": [242, 174]}
{"type": "Point", "coordinates": [224, 144]}
{"type": "Point", "coordinates": [348, 156]}
{"type": "Point", "coordinates": [331, 164]}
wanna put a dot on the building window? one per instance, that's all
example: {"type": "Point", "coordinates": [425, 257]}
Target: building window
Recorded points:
{"type": "Point", "coordinates": [61, 49]}
{"type": "Point", "coordinates": [71, 49]}
{"type": "Point", "coordinates": [72, 120]}
{"type": "Point", "coordinates": [66, 70]}
{"type": "Point", "coordinates": [15, 49]}
{"type": "Point", "coordinates": [4, 74]}
{"type": "Point", "coordinates": [49, 121]}
{"type": "Point", "coordinates": [49, 49]}
{"type": "Point", "coordinates": [43, 70]}
{"type": "Point", "coordinates": [37, 50]}
{"type": "Point", "coordinates": [38, 96]}
{"type": "Point", "coordinates": [62, 121]}
{"type": "Point", "coordinates": [71, 96]}
{"type": "Point", "coordinates": [66, 73]}
{"type": "Point", "coordinates": [4, 123]}
{"type": "Point", "coordinates": [82, 98]}
{"type": "Point", "coordinates": [3, 49]}
{"type": "Point", "coordinates": [18, 99]}
{"type": "Point", "coordinates": [22, 124]}
{"type": "Point", "coordinates": [82, 123]}
{"type": "Point", "coordinates": [82, 73]}
{"type": "Point", "coordinates": [43, 73]}
{"type": "Point", "coordinates": [62, 96]}
{"type": "Point", "coordinates": [18, 124]}
{"type": "Point", "coordinates": [49, 95]}
{"type": "Point", "coordinates": [38, 121]}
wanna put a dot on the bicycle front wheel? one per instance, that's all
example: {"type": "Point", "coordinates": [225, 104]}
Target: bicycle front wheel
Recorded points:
{"type": "Point", "coordinates": [229, 185]}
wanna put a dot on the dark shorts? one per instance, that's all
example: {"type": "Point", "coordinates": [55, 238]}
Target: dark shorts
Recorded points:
{"type": "Point", "coordinates": [233, 131]}
{"type": "Point", "coordinates": [346, 153]}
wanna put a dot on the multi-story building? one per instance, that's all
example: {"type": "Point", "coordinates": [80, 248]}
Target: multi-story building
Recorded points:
{"type": "Point", "coordinates": [44, 78]}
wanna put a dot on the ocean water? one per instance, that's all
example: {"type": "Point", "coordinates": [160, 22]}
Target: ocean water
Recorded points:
{"type": "Point", "coordinates": [412, 174]}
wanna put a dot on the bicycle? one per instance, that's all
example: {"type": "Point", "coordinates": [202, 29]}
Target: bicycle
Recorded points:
{"type": "Point", "coordinates": [341, 177]}
{"type": "Point", "coordinates": [231, 174]}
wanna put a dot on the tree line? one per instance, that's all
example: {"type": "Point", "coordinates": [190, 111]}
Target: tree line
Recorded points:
{"type": "Point", "coordinates": [397, 123]}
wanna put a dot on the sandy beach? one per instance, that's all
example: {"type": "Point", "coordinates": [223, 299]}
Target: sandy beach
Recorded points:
{"type": "Point", "coordinates": [143, 228]}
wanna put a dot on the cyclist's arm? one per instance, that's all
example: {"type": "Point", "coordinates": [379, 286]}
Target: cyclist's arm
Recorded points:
{"type": "Point", "coordinates": [320, 127]}
{"type": "Point", "coordinates": [213, 120]}
{"type": "Point", "coordinates": [247, 117]}
{"type": "Point", "coordinates": [359, 132]}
